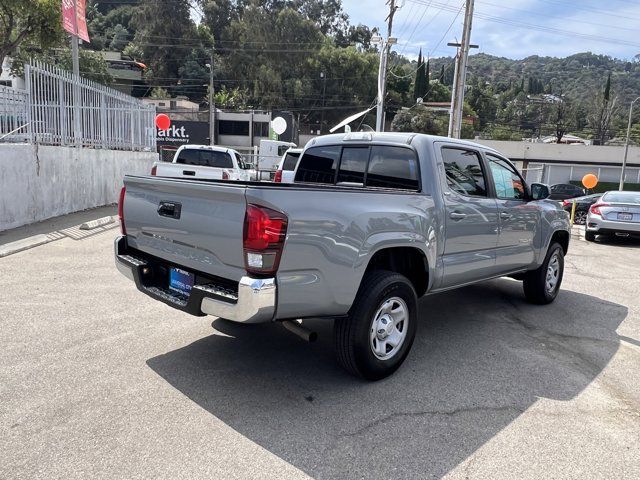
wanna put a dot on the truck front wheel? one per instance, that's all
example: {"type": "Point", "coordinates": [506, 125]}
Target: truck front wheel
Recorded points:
{"type": "Point", "coordinates": [541, 286]}
{"type": "Point", "coordinates": [376, 336]}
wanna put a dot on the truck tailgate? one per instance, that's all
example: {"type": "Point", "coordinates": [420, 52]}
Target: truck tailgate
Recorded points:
{"type": "Point", "coordinates": [198, 225]}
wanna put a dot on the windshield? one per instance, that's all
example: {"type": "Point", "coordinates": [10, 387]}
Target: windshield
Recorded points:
{"type": "Point", "coordinates": [622, 197]}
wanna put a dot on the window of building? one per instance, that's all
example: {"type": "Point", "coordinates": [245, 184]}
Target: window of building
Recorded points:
{"type": "Point", "coordinates": [233, 127]}
{"type": "Point", "coordinates": [464, 173]}
{"type": "Point", "coordinates": [260, 129]}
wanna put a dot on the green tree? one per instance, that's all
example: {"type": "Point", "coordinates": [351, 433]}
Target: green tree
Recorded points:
{"type": "Point", "coordinates": [27, 24]}
{"type": "Point", "coordinates": [418, 119]}
{"type": "Point", "coordinates": [427, 80]}
{"type": "Point", "coordinates": [92, 65]}
{"type": "Point", "coordinates": [165, 35]}
{"type": "Point", "coordinates": [419, 84]}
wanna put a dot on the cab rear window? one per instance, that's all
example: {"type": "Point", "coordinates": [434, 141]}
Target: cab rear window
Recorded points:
{"type": "Point", "coordinates": [205, 158]}
{"type": "Point", "coordinates": [377, 166]}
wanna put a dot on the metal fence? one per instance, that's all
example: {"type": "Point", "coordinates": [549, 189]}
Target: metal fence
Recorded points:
{"type": "Point", "coordinates": [59, 108]}
{"type": "Point", "coordinates": [13, 114]}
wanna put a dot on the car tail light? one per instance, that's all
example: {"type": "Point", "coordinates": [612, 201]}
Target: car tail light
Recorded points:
{"type": "Point", "coordinates": [278, 176]}
{"type": "Point", "coordinates": [121, 211]}
{"type": "Point", "coordinates": [154, 170]}
{"type": "Point", "coordinates": [225, 175]}
{"type": "Point", "coordinates": [595, 208]}
{"type": "Point", "coordinates": [566, 203]}
{"type": "Point", "coordinates": [263, 239]}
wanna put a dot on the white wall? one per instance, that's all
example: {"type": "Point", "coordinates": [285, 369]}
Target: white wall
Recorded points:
{"type": "Point", "coordinates": [588, 154]}
{"type": "Point", "coordinates": [40, 182]}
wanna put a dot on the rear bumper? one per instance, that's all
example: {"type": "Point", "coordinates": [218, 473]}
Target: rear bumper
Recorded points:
{"type": "Point", "coordinates": [596, 224]}
{"type": "Point", "coordinates": [254, 301]}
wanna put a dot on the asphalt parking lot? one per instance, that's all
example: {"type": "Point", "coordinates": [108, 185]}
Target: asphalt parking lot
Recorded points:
{"type": "Point", "coordinates": [100, 381]}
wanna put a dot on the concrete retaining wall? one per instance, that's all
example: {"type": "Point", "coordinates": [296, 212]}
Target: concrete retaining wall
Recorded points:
{"type": "Point", "coordinates": [40, 182]}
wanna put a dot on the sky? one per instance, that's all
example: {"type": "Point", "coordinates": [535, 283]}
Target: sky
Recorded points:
{"type": "Point", "coordinates": [509, 28]}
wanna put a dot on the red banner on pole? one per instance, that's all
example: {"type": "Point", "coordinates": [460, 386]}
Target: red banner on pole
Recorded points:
{"type": "Point", "coordinates": [69, 22]}
{"type": "Point", "coordinates": [81, 20]}
{"type": "Point", "coordinates": [74, 18]}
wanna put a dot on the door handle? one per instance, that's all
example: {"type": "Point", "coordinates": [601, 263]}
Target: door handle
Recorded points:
{"type": "Point", "coordinates": [189, 172]}
{"type": "Point", "coordinates": [170, 209]}
{"type": "Point", "coordinates": [457, 215]}
{"type": "Point", "coordinates": [505, 215]}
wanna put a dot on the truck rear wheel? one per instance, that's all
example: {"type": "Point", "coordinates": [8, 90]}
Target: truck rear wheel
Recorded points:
{"type": "Point", "coordinates": [376, 336]}
{"type": "Point", "coordinates": [541, 286]}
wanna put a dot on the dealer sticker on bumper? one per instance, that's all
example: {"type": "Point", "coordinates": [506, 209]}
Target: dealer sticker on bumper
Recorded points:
{"type": "Point", "coordinates": [180, 281]}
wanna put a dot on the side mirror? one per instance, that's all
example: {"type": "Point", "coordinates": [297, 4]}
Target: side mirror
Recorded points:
{"type": "Point", "coordinates": [539, 191]}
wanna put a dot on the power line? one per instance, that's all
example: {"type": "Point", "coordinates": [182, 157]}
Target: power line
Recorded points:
{"type": "Point", "coordinates": [542, 28]}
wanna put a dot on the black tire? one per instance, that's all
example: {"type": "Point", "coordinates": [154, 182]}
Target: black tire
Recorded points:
{"type": "Point", "coordinates": [589, 236]}
{"type": "Point", "coordinates": [535, 282]}
{"type": "Point", "coordinates": [352, 334]}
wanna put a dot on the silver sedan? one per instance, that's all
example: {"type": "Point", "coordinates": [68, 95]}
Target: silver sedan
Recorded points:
{"type": "Point", "coordinates": [616, 213]}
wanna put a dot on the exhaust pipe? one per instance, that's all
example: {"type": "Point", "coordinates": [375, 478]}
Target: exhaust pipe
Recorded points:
{"type": "Point", "coordinates": [295, 326]}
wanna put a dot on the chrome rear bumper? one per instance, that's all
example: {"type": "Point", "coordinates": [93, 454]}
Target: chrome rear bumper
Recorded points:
{"type": "Point", "coordinates": [254, 301]}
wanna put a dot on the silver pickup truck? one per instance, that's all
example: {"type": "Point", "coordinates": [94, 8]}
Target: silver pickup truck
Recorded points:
{"type": "Point", "coordinates": [372, 223]}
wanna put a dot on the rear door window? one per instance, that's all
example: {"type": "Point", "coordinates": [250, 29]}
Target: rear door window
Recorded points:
{"type": "Point", "coordinates": [353, 164]}
{"type": "Point", "coordinates": [393, 167]}
{"type": "Point", "coordinates": [318, 165]}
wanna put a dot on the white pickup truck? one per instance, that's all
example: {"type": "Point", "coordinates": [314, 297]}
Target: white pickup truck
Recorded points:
{"type": "Point", "coordinates": [205, 162]}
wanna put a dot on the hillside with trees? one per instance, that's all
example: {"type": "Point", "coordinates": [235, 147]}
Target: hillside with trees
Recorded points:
{"type": "Point", "coordinates": [307, 56]}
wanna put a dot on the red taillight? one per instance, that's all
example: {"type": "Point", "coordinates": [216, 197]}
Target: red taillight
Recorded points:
{"type": "Point", "coordinates": [566, 203]}
{"type": "Point", "coordinates": [263, 239]}
{"type": "Point", "coordinates": [278, 176]}
{"type": "Point", "coordinates": [121, 211]}
{"type": "Point", "coordinates": [154, 170]}
{"type": "Point", "coordinates": [225, 175]}
{"type": "Point", "coordinates": [595, 208]}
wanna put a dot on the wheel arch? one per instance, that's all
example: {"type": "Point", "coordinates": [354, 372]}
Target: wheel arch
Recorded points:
{"type": "Point", "coordinates": [561, 237]}
{"type": "Point", "coordinates": [409, 261]}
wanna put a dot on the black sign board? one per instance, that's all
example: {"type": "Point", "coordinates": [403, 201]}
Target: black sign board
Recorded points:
{"type": "Point", "coordinates": [182, 132]}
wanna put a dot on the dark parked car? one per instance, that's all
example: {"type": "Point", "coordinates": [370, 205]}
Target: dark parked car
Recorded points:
{"type": "Point", "coordinates": [562, 191]}
{"type": "Point", "coordinates": [582, 207]}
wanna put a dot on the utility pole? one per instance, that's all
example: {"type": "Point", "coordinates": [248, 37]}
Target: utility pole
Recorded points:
{"type": "Point", "coordinates": [212, 105]}
{"type": "Point", "coordinates": [457, 94]}
{"type": "Point", "coordinates": [626, 146]}
{"type": "Point", "coordinates": [324, 89]}
{"type": "Point", "coordinates": [77, 121]}
{"type": "Point", "coordinates": [385, 46]}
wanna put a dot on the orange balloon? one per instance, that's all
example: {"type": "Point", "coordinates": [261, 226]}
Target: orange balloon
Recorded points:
{"type": "Point", "coordinates": [162, 121]}
{"type": "Point", "coordinates": [589, 180]}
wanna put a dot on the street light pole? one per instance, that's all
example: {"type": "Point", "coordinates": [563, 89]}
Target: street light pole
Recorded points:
{"type": "Point", "coordinates": [626, 146]}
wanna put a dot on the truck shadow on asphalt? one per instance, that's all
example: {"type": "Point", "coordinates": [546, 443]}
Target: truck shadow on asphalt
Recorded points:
{"type": "Point", "coordinates": [481, 358]}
